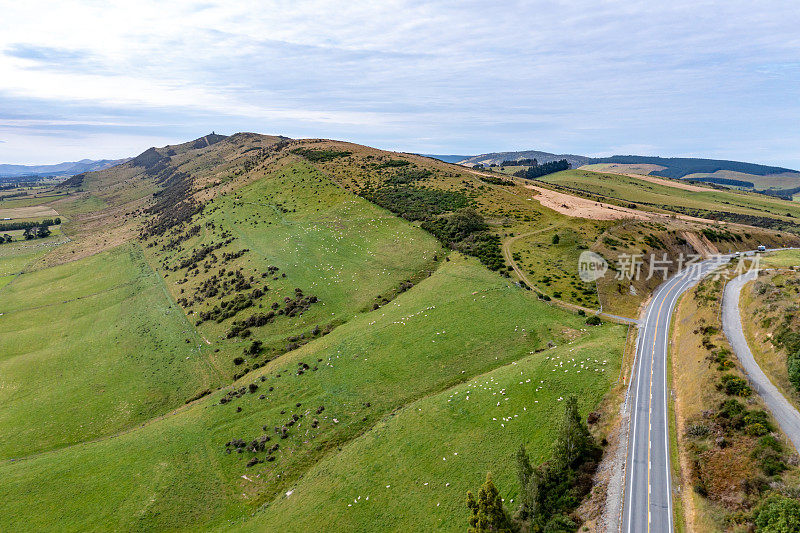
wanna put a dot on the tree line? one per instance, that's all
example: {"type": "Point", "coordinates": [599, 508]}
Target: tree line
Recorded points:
{"type": "Point", "coordinates": [549, 492]}
{"type": "Point", "coordinates": [11, 226]}
{"type": "Point", "coordinates": [538, 171]}
{"type": "Point", "coordinates": [520, 163]}
{"type": "Point", "coordinates": [33, 230]}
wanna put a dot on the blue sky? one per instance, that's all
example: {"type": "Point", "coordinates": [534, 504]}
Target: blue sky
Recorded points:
{"type": "Point", "coordinates": [109, 79]}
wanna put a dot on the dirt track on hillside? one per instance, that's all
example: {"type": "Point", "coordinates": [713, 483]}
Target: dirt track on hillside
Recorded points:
{"type": "Point", "coordinates": [575, 206]}
{"type": "Point", "coordinates": [667, 183]}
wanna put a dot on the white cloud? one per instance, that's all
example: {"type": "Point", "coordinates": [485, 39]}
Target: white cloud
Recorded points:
{"type": "Point", "coordinates": [579, 76]}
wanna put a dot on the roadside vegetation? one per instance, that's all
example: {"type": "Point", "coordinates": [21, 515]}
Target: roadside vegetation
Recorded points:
{"type": "Point", "coordinates": [737, 468]}
{"type": "Point", "coordinates": [771, 323]}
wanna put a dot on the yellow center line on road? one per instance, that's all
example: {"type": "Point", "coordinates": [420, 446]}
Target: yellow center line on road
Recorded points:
{"type": "Point", "coordinates": [650, 403]}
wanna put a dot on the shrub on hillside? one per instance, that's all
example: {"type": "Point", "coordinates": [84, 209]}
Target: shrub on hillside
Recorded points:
{"type": "Point", "coordinates": [413, 203]}
{"type": "Point", "coordinates": [734, 386]}
{"type": "Point", "coordinates": [410, 175]}
{"type": "Point", "coordinates": [777, 514]}
{"type": "Point", "coordinates": [793, 366]}
{"type": "Point", "coordinates": [394, 163]}
{"type": "Point", "coordinates": [320, 156]}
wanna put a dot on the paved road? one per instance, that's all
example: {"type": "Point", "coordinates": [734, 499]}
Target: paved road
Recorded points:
{"type": "Point", "coordinates": [648, 486]}
{"type": "Point", "coordinates": [787, 416]}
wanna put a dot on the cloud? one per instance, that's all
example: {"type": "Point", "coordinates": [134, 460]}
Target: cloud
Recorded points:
{"type": "Point", "coordinates": [462, 77]}
{"type": "Point", "coordinates": [56, 59]}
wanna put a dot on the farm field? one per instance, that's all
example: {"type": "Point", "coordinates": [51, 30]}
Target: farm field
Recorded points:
{"type": "Point", "coordinates": [27, 212]}
{"type": "Point", "coordinates": [27, 202]}
{"type": "Point", "coordinates": [430, 453]}
{"type": "Point", "coordinates": [634, 168]}
{"type": "Point", "coordinates": [662, 197]}
{"type": "Point", "coordinates": [90, 348]}
{"type": "Point", "coordinates": [786, 180]}
{"type": "Point", "coordinates": [780, 259]}
{"type": "Point", "coordinates": [460, 323]}
{"type": "Point", "coordinates": [19, 255]}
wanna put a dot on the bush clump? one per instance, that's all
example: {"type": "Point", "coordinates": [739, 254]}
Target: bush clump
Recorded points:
{"type": "Point", "coordinates": [734, 386]}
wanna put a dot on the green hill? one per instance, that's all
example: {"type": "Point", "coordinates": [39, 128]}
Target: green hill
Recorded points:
{"type": "Point", "coordinates": [250, 332]}
{"type": "Point", "coordinates": [174, 473]}
{"type": "Point", "coordinates": [718, 171]}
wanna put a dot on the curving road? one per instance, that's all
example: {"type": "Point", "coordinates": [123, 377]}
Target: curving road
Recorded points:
{"type": "Point", "coordinates": [785, 414]}
{"type": "Point", "coordinates": [647, 504]}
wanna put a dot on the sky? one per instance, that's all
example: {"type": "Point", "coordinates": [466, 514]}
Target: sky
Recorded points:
{"type": "Point", "coordinates": [107, 79]}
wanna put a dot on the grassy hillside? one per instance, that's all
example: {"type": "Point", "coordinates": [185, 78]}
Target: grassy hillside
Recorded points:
{"type": "Point", "coordinates": [527, 228]}
{"type": "Point", "coordinates": [290, 230]}
{"type": "Point", "coordinates": [432, 451]}
{"type": "Point", "coordinates": [768, 307]}
{"type": "Point", "coordinates": [732, 206]}
{"type": "Point", "coordinates": [89, 348]}
{"type": "Point", "coordinates": [338, 247]}
{"type": "Point", "coordinates": [460, 323]}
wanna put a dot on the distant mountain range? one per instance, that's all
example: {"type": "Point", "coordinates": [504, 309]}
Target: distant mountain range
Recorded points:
{"type": "Point", "coordinates": [68, 168]}
{"type": "Point", "coordinates": [542, 157]}
{"type": "Point", "coordinates": [448, 158]}
{"type": "Point", "coordinates": [675, 167]}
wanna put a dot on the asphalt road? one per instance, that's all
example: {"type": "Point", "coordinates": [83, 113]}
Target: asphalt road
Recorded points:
{"type": "Point", "coordinates": [787, 416]}
{"type": "Point", "coordinates": [648, 485]}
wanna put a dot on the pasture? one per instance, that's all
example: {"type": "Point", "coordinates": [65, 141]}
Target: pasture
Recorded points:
{"type": "Point", "coordinates": [321, 239]}
{"type": "Point", "coordinates": [780, 259]}
{"type": "Point", "coordinates": [662, 197]}
{"type": "Point", "coordinates": [414, 353]}
{"type": "Point", "coordinates": [90, 348]}
{"type": "Point", "coordinates": [432, 451]}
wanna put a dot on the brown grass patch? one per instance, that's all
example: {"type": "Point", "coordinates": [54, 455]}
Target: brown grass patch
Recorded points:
{"type": "Point", "coordinates": [34, 211]}
{"type": "Point", "coordinates": [574, 206]}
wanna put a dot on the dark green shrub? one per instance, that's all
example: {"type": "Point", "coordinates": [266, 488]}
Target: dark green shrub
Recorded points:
{"type": "Point", "coordinates": [320, 156]}
{"type": "Point", "coordinates": [735, 386]}
{"type": "Point", "coordinates": [793, 366]}
{"type": "Point", "coordinates": [777, 514]}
